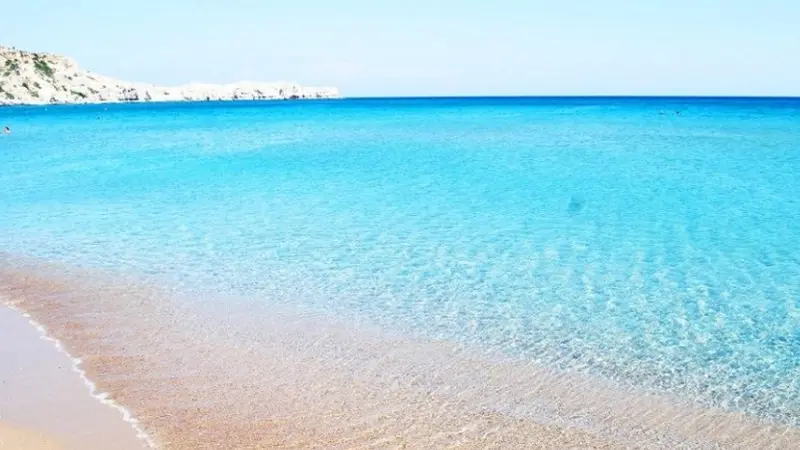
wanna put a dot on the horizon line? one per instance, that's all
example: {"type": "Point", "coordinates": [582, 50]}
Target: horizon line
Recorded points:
{"type": "Point", "coordinates": [420, 97]}
{"type": "Point", "coordinates": [698, 96]}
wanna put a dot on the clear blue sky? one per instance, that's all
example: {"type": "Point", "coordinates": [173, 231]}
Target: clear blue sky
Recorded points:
{"type": "Point", "coordinates": [447, 47]}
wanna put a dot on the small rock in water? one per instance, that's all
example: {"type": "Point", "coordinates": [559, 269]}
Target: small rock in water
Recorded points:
{"type": "Point", "coordinates": [576, 204]}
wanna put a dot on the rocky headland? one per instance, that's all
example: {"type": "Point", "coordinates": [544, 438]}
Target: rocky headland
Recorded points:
{"type": "Point", "coordinates": [30, 78]}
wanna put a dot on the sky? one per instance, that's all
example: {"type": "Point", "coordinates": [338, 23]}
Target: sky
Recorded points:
{"type": "Point", "coordinates": [429, 48]}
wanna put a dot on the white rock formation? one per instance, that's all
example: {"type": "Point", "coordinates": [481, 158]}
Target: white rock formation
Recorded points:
{"type": "Point", "coordinates": [28, 78]}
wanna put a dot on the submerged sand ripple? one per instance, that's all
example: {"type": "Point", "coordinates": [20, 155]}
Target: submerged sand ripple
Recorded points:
{"type": "Point", "coordinates": [200, 375]}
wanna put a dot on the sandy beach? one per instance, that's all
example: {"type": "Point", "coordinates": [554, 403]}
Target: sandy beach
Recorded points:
{"type": "Point", "coordinates": [44, 403]}
{"type": "Point", "coordinates": [399, 226]}
{"type": "Point", "coordinates": [343, 390]}
{"type": "Point", "coordinates": [23, 439]}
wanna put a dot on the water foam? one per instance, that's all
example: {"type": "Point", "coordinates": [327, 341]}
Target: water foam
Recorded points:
{"type": "Point", "coordinates": [97, 394]}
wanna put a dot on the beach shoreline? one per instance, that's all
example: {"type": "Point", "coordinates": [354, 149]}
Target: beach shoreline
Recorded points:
{"type": "Point", "coordinates": [46, 401]}
{"type": "Point", "coordinates": [311, 383]}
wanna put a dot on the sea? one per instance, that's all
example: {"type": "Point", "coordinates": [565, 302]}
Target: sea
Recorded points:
{"type": "Point", "coordinates": [409, 266]}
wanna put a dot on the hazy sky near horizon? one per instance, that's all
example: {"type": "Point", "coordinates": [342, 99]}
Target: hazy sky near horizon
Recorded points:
{"type": "Point", "coordinates": [447, 47]}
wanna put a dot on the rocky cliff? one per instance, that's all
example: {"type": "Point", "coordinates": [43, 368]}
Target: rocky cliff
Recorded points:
{"type": "Point", "coordinates": [44, 78]}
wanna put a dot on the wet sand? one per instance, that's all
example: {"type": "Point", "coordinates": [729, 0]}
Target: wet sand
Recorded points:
{"type": "Point", "coordinates": [44, 403]}
{"type": "Point", "coordinates": [201, 377]}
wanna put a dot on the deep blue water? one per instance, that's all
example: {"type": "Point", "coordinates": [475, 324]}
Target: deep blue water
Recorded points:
{"type": "Point", "coordinates": [652, 241]}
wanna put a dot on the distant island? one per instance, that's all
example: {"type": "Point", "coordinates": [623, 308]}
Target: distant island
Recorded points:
{"type": "Point", "coordinates": [30, 78]}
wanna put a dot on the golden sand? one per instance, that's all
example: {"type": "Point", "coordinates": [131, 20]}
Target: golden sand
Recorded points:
{"type": "Point", "coordinates": [44, 403]}
{"type": "Point", "coordinates": [239, 380]}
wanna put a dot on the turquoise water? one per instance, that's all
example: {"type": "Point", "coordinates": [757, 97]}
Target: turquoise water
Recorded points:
{"type": "Point", "coordinates": [653, 242]}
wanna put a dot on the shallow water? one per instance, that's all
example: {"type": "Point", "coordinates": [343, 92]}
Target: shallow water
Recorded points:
{"type": "Point", "coordinates": [608, 237]}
